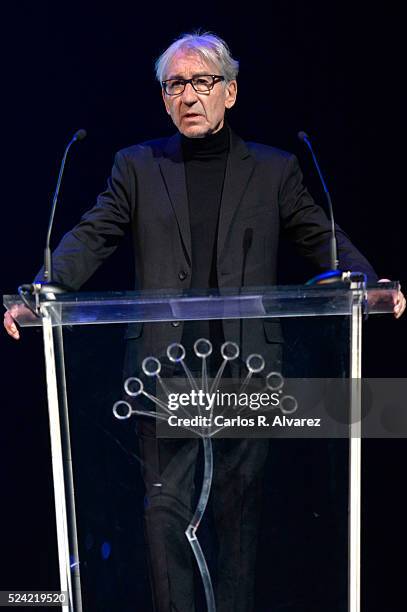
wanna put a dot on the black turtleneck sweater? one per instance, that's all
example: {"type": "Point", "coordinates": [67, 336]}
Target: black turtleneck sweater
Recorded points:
{"type": "Point", "coordinates": [205, 165]}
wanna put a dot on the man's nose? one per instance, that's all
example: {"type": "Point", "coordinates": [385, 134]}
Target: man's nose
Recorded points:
{"type": "Point", "coordinates": [189, 95]}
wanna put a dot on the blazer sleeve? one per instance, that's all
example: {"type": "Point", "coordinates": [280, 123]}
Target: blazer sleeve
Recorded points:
{"type": "Point", "coordinates": [97, 235]}
{"type": "Point", "coordinates": [309, 228]}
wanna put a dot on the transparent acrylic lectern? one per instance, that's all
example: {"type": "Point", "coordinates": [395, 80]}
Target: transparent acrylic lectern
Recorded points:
{"type": "Point", "coordinates": [206, 448]}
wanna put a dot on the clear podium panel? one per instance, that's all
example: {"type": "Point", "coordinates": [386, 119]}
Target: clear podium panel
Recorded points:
{"type": "Point", "coordinates": [210, 473]}
{"type": "Point", "coordinates": [227, 303]}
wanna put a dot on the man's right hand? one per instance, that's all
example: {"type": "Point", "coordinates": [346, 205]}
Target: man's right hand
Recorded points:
{"type": "Point", "coordinates": [10, 316]}
{"type": "Point", "coordinates": [11, 326]}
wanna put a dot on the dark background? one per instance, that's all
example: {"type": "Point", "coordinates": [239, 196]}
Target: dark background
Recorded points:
{"type": "Point", "coordinates": [330, 69]}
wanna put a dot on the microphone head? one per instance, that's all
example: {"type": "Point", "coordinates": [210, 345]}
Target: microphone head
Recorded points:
{"type": "Point", "coordinates": [79, 135]}
{"type": "Point", "coordinates": [302, 136]}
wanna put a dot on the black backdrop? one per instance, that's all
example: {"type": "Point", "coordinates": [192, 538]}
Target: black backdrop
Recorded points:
{"type": "Point", "coordinates": [325, 67]}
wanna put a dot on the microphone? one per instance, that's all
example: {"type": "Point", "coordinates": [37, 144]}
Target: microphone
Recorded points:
{"type": "Point", "coordinates": [247, 243]}
{"type": "Point", "coordinates": [247, 239]}
{"type": "Point", "coordinates": [78, 136]}
{"type": "Point", "coordinates": [48, 287]}
{"type": "Point", "coordinates": [246, 246]}
{"type": "Point", "coordinates": [333, 249]}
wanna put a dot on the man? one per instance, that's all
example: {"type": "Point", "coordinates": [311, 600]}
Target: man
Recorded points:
{"type": "Point", "coordinates": [205, 210]}
{"type": "Point", "coordinates": [198, 112]}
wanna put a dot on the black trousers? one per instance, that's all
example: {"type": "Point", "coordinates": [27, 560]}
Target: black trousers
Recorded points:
{"type": "Point", "coordinates": [169, 472]}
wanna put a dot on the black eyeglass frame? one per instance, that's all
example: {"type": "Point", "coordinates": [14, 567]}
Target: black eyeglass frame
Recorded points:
{"type": "Point", "coordinates": [216, 78]}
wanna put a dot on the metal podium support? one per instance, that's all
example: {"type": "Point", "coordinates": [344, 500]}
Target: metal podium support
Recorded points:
{"type": "Point", "coordinates": [355, 449]}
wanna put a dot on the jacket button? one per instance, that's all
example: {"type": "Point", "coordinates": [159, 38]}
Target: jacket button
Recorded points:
{"type": "Point", "coordinates": [175, 323]}
{"type": "Point", "coordinates": [182, 275]}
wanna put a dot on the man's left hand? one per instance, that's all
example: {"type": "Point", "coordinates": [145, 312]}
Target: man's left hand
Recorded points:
{"type": "Point", "coordinates": [400, 301]}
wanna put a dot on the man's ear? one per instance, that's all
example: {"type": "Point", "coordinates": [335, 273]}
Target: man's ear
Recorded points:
{"type": "Point", "coordinates": [230, 94]}
{"type": "Point", "coordinates": [164, 97]}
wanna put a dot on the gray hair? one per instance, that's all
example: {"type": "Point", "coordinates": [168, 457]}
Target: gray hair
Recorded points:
{"type": "Point", "coordinates": [209, 46]}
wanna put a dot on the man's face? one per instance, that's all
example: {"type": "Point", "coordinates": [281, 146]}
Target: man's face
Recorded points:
{"type": "Point", "coordinates": [197, 114]}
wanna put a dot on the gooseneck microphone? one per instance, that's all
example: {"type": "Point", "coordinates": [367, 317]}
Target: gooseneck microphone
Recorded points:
{"type": "Point", "coordinates": [247, 243]}
{"type": "Point", "coordinates": [79, 135]}
{"type": "Point", "coordinates": [27, 291]}
{"type": "Point", "coordinates": [246, 246]}
{"type": "Point", "coordinates": [333, 250]}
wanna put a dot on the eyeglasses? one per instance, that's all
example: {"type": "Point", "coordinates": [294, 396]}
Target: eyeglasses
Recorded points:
{"type": "Point", "coordinates": [201, 84]}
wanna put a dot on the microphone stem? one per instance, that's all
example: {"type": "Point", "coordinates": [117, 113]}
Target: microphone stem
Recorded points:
{"type": "Point", "coordinates": [47, 253]}
{"type": "Point", "coordinates": [333, 244]}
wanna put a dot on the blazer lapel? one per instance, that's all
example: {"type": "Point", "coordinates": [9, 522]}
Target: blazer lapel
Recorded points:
{"type": "Point", "coordinates": [173, 172]}
{"type": "Point", "coordinates": [239, 169]}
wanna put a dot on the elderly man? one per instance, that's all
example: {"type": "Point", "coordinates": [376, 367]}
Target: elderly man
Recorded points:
{"type": "Point", "coordinates": [205, 210]}
{"type": "Point", "coordinates": [191, 193]}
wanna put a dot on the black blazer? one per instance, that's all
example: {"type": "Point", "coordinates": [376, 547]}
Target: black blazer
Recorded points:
{"type": "Point", "coordinates": [263, 195]}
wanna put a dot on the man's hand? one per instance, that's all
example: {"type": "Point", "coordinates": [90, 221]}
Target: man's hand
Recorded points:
{"type": "Point", "coordinates": [10, 316]}
{"type": "Point", "coordinates": [400, 301]}
{"type": "Point", "coordinates": [11, 326]}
